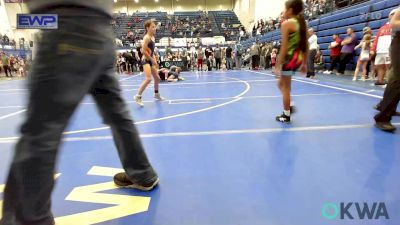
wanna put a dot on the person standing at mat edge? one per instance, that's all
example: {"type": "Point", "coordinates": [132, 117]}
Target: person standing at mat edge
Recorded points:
{"type": "Point", "coordinates": [313, 43]}
{"type": "Point", "coordinates": [293, 54]}
{"type": "Point", "coordinates": [391, 97]}
{"type": "Point", "coordinates": [84, 38]}
{"type": "Point", "coordinates": [149, 62]}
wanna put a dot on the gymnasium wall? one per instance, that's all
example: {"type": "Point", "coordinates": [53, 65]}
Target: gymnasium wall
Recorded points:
{"type": "Point", "coordinates": [245, 10]}
{"type": "Point", "coordinates": [5, 27]}
{"type": "Point", "coordinates": [10, 21]}
{"type": "Point", "coordinates": [268, 8]}
{"type": "Point", "coordinates": [171, 6]}
{"type": "Point", "coordinates": [250, 11]}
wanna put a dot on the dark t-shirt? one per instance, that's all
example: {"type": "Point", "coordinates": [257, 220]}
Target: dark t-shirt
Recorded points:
{"type": "Point", "coordinates": [208, 53]}
{"type": "Point", "coordinates": [229, 52]}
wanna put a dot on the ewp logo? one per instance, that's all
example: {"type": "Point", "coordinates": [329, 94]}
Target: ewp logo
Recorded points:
{"type": "Point", "coordinates": [37, 21]}
{"type": "Point", "coordinates": [377, 211]}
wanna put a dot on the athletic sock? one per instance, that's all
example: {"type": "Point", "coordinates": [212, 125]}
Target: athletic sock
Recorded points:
{"type": "Point", "coordinates": [286, 112]}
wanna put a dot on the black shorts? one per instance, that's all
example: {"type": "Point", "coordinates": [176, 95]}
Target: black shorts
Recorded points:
{"type": "Point", "coordinates": [145, 61]}
{"type": "Point", "coordinates": [162, 75]}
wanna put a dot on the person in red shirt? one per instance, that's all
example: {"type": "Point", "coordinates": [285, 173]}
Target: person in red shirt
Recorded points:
{"type": "Point", "coordinates": [380, 47]}
{"type": "Point", "coordinates": [335, 48]}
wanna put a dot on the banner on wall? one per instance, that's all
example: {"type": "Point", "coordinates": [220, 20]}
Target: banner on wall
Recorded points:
{"type": "Point", "coordinates": [183, 42]}
{"type": "Point", "coordinates": [168, 64]}
{"type": "Point", "coordinates": [180, 42]}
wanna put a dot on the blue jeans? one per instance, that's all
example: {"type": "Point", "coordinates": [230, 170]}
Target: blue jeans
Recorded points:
{"type": "Point", "coordinates": [229, 63]}
{"type": "Point", "coordinates": [72, 61]}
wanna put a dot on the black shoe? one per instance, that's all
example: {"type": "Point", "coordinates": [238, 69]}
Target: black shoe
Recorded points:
{"type": "Point", "coordinates": [283, 118]}
{"type": "Point", "coordinates": [385, 126]}
{"type": "Point", "coordinates": [122, 181]}
{"type": "Point", "coordinates": [379, 84]}
{"type": "Point", "coordinates": [293, 109]}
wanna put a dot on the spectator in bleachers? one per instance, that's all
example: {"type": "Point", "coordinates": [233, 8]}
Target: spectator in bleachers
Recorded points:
{"type": "Point", "coordinates": [347, 52]}
{"type": "Point", "coordinates": [381, 47]}
{"type": "Point", "coordinates": [364, 57]}
{"type": "Point", "coordinates": [335, 47]}
{"type": "Point", "coordinates": [313, 48]}
{"type": "Point", "coordinates": [242, 33]}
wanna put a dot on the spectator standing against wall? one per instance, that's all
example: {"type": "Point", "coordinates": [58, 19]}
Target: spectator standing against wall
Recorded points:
{"type": "Point", "coordinates": [268, 56]}
{"type": "Point", "coordinates": [238, 55]}
{"type": "Point", "coordinates": [200, 57]}
{"type": "Point", "coordinates": [208, 53]}
{"type": "Point", "coordinates": [6, 64]}
{"type": "Point", "coordinates": [347, 52]}
{"type": "Point", "coordinates": [380, 47]}
{"type": "Point", "coordinates": [258, 58]}
{"type": "Point", "coordinates": [218, 57]}
{"type": "Point", "coordinates": [254, 53]}
{"type": "Point", "coordinates": [313, 48]}
{"type": "Point", "coordinates": [22, 43]}
{"type": "Point", "coordinates": [229, 61]}
{"type": "Point", "coordinates": [335, 47]}
{"type": "Point", "coordinates": [6, 40]}
{"type": "Point", "coordinates": [364, 57]}
{"type": "Point", "coordinates": [262, 55]}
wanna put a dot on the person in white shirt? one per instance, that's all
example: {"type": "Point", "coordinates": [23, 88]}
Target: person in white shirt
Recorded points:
{"type": "Point", "coordinates": [313, 47]}
{"type": "Point", "coordinates": [381, 47]}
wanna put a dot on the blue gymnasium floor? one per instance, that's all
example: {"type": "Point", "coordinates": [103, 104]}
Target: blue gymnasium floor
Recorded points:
{"type": "Point", "coordinates": [221, 157]}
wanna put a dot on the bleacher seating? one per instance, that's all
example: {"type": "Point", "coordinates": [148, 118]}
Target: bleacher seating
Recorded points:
{"type": "Point", "coordinates": [191, 16]}
{"type": "Point", "coordinates": [123, 21]}
{"type": "Point", "coordinates": [373, 13]}
{"type": "Point", "coordinates": [231, 21]}
{"type": "Point", "coordinates": [215, 17]}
